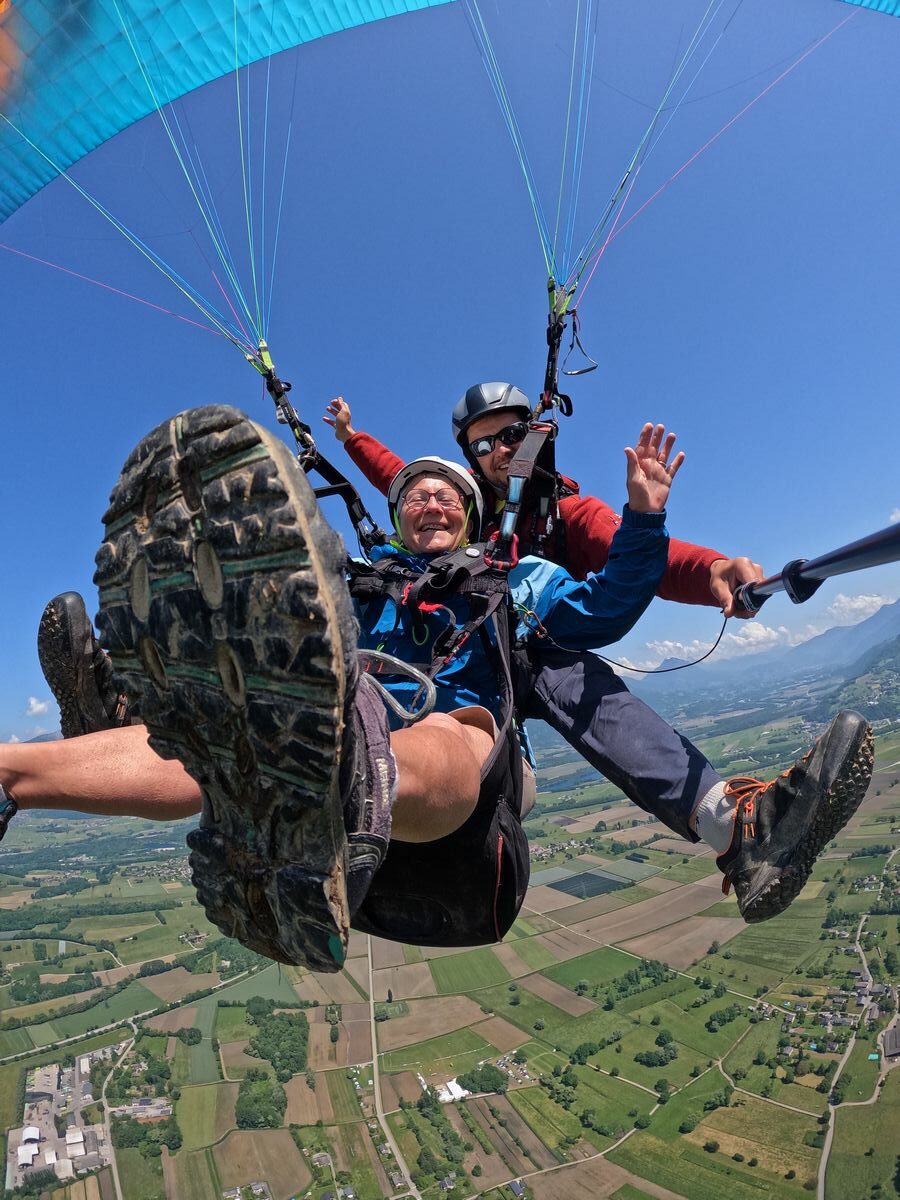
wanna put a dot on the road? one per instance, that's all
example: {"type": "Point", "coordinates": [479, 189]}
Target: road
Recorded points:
{"type": "Point", "coordinates": [376, 1084]}
{"type": "Point", "coordinates": [107, 1125]}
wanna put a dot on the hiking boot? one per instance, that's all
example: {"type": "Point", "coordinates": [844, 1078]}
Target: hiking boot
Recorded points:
{"type": "Point", "coordinates": [782, 826]}
{"type": "Point", "coordinates": [224, 608]}
{"type": "Point", "coordinates": [8, 809]}
{"type": "Point", "coordinates": [80, 675]}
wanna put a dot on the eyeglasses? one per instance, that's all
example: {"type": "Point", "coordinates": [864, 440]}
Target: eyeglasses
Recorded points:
{"type": "Point", "coordinates": [446, 498]}
{"type": "Point", "coordinates": [511, 435]}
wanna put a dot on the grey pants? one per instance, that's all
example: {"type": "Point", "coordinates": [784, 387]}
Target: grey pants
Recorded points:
{"type": "Point", "coordinates": [618, 734]}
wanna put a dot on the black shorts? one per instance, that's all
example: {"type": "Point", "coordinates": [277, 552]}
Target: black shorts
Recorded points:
{"type": "Point", "coordinates": [465, 889]}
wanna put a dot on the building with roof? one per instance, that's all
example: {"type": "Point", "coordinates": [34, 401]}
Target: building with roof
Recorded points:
{"type": "Point", "coordinates": [31, 1133]}
{"type": "Point", "coordinates": [64, 1169]}
{"type": "Point", "coordinates": [892, 1042]}
{"type": "Point", "coordinates": [26, 1154]}
{"type": "Point", "coordinates": [74, 1142]}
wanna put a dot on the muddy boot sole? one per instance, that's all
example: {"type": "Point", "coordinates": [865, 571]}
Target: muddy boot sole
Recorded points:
{"type": "Point", "coordinates": [769, 887]}
{"type": "Point", "coordinates": [224, 608]}
{"type": "Point", "coordinates": [66, 650]}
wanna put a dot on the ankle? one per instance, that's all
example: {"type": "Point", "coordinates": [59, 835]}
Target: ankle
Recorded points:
{"type": "Point", "coordinates": [713, 818]}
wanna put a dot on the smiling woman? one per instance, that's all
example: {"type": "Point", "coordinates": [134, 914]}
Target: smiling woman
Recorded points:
{"type": "Point", "coordinates": [434, 506]}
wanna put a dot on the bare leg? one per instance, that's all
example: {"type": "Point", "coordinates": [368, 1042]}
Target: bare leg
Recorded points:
{"type": "Point", "coordinates": [112, 773]}
{"type": "Point", "coordinates": [439, 765]}
{"type": "Point", "coordinates": [116, 773]}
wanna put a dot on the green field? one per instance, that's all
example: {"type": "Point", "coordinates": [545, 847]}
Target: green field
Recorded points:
{"type": "Point", "coordinates": [207, 1009]}
{"type": "Point", "coordinates": [598, 967]}
{"type": "Point", "coordinates": [533, 953]}
{"type": "Point", "coordinates": [272, 983]}
{"type": "Point", "coordinates": [527, 1012]}
{"type": "Point", "coordinates": [436, 1053]}
{"type": "Point", "coordinates": [196, 1113]}
{"type": "Point", "coordinates": [152, 1043]}
{"type": "Point", "coordinates": [9, 1079]}
{"type": "Point", "coordinates": [550, 1122]}
{"type": "Point", "coordinates": [197, 1178]}
{"type": "Point", "coordinates": [627, 1192]}
{"type": "Point", "coordinates": [231, 1024]}
{"type": "Point", "coordinates": [163, 939]}
{"type": "Point", "coordinates": [204, 1061]}
{"type": "Point", "coordinates": [764, 956]}
{"type": "Point", "coordinates": [860, 1076]}
{"type": "Point", "coordinates": [690, 1171]}
{"type": "Point", "coordinates": [467, 972]}
{"type": "Point", "coordinates": [343, 1096]}
{"type": "Point", "coordinates": [141, 1178]}
{"type": "Point", "coordinates": [13, 1041]}
{"type": "Point", "coordinates": [363, 1179]}
{"type": "Point", "coordinates": [181, 1064]}
{"type": "Point", "coordinates": [131, 1000]}
{"type": "Point", "coordinates": [852, 1170]}
{"type": "Point", "coordinates": [611, 1099]}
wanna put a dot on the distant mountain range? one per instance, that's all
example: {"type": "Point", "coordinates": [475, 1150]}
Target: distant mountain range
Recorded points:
{"type": "Point", "coordinates": [826, 654]}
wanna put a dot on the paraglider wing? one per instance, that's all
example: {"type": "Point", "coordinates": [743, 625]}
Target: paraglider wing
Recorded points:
{"type": "Point", "coordinates": [73, 74]}
{"type": "Point", "coordinates": [891, 7]}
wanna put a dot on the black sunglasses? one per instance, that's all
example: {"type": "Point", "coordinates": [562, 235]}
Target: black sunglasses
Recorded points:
{"type": "Point", "coordinates": [511, 435]}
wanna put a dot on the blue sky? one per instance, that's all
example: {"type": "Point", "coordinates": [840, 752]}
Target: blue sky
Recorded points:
{"type": "Point", "coordinates": [751, 306]}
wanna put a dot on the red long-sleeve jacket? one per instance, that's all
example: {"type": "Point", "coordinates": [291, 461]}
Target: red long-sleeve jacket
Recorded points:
{"type": "Point", "coordinates": [589, 528]}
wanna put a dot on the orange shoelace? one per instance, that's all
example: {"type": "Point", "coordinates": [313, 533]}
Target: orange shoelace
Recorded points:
{"type": "Point", "coordinates": [746, 791]}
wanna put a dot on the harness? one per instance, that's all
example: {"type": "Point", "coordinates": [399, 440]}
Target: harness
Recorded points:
{"type": "Point", "coordinates": [465, 573]}
{"type": "Point", "coordinates": [464, 889]}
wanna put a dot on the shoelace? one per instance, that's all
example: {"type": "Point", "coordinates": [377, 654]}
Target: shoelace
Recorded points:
{"type": "Point", "coordinates": [396, 666]}
{"type": "Point", "coordinates": [746, 792]}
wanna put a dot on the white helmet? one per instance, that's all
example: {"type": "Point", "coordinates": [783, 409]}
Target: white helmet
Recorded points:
{"type": "Point", "coordinates": [443, 468]}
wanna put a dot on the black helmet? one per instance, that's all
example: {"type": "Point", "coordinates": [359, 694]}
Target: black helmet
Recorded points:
{"type": "Point", "coordinates": [485, 398]}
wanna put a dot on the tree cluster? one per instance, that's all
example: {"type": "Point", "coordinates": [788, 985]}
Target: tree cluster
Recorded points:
{"type": "Point", "coordinates": [281, 1038]}
{"type": "Point", "coordinates": [486, 1078]}
{"type": "Point", "coordinates": [67, 887]}
{"type": "Point", "coordinates": [261, 1101]}
{"type": "Point", "coordinates": [28, 989]}
{"type": "Point", "coordinates": [149, 1139]}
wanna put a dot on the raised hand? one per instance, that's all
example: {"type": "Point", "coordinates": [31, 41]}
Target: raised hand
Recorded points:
{"type": "Point", "coordinates": [649, 471]}
{"type": "Point", "coordinates": [337, 415]}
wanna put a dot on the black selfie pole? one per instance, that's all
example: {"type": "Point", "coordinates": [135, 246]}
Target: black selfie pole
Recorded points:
{"type": "Point", "coordinates": [801, 577]}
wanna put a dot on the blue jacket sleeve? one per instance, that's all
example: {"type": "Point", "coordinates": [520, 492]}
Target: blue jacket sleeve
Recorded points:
{"type": "Point", "coordinates": [584, 615]}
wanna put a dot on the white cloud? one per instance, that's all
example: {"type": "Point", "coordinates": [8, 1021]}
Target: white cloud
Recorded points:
{"type": "Point", "coordinates": [750, 637]}
{"type": "Point", "coordinates": [894, 518]}
{"type": "Point", "coordinates": [848, 610]}
{"type": "Point", "coordinates": [37, 708]}
{"type": "Point", "coordinates": [13, 738]}
{"type": "Point", "coordinates": [744, 638]}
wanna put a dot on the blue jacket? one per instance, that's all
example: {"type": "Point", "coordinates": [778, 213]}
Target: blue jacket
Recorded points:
{"type": "Point", "coordinates": [577, 614]}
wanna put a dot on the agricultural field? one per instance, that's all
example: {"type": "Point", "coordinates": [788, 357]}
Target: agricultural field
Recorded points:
{"type": "Point", "coordinates": [206, 1113]}
{"type": "Point", "coordinates": [444, 1053]}
{"type": "Point", "coordinates": [142, 1178]}
{"type": "Point", "coordinates": [467, 972]}
{"type": "Point", "coordinates": [865, 1146]}
{"type": "Point", "coordinates": [565, 985]}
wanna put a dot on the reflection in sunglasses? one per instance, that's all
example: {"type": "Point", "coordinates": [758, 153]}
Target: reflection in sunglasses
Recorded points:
{"type": "Point", "coordinates": [511, 435]}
